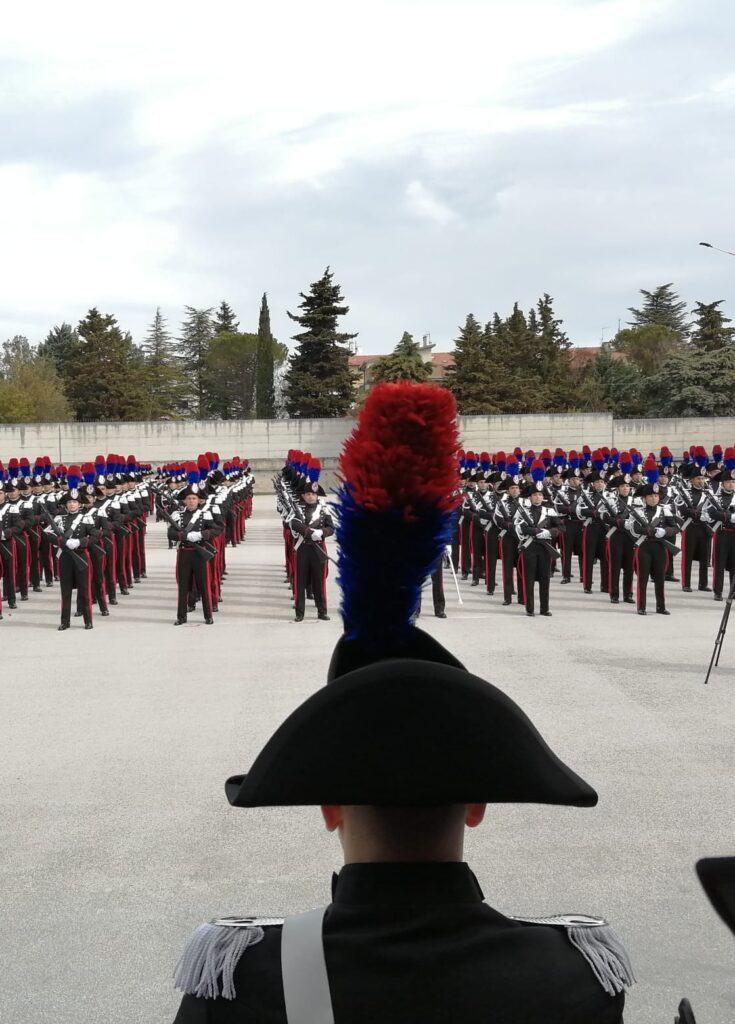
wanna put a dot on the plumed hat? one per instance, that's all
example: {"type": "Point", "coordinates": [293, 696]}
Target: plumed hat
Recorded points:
{"type": "Point", "coordinates": [401, 722]}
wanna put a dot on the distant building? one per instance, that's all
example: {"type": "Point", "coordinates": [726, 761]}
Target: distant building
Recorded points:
{"type": "Point", "coordinates": [440, 363]}
{"type": "Point", "coordinates": [581, 356]}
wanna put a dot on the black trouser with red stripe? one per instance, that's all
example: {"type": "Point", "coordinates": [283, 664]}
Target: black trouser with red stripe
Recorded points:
{"type": "Point", "coordinates": [465, 543]}
{"type": "Point", "coordinates": [509, 558]}
{"type": "Point", "coordinates": [8, 555]}
{"type": "Point", "coordinates": [191, 569]}
{"type": "Point", "coordinates": [694, 545]}
{"type": "Point", "coordinates": [534, 564]}
{"type": "Point", "coordinates": [492, 552]}
{"type": "Point", "coordinates": [723, 558]}
{"type": "Point", "coordinates": [650, 560]}
{"type": "Point", "coordinates": [571, 544]}
{"type": "Point", "coordinates": [73, 576]}
{"type": "Point", "coordinates": [311, 571]}
{"type": "Point", "coordinates": [621, 548]}
{"type": "Point", "coordinates": [593, 547]}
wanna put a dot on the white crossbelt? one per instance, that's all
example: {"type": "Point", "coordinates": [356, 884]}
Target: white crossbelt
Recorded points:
{"type": "Point", "coordinates": [304, 970]}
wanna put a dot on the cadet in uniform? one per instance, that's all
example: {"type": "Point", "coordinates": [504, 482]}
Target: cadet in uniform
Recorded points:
{"type": "Point", "coordinates": [589, 511]}
{"type": "Point", "coordinates": [73, 538]}
{"type": "Point", "coordinates": [620, 545]}
{"type": "Point", "coordinates": [189, 531]}
{"type": "Point", "coordinates": [504, 519]}
{"type": "Point", "coordinates": [695, 534]}
{"type": "Point", "coordinates": [720, 515]}
{"type": "Point", "coordinates": [538, 528]}
{"type": "Point", "coordinates": [407, 937]}
{"type": "Point", "coordinates": [651, 528]}
{"type": "Point", "coordinates": [310, 525]}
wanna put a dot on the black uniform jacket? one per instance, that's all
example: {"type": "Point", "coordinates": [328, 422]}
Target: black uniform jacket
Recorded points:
{"type": "Point", "coordinates": [415, 944]}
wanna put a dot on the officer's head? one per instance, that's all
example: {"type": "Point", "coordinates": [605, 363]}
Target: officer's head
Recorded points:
{"type": "Point", "coordinates": [598, 485]}
{"type": "Point", "coordinates": [697, 479]}
{"type": "Point", "coordinates": [192, 502]}
{"type": "Point", "coordinates": [624, 489]}
{"type": "Point", "coordinates": [72, 505]}
{"type": "Point", "coordinates": [310, 497]}
{"type": "Point", "coordinates": [537, 497]}
{"type": "Point", "coordinates": [13, 492]}
{"type": "Point", "coordinates": [651, 500]}
{"type": "Point", "coordinates": [384, 834]}
{"type": "Point", "coordinates": [514, 490]}
{"type": "Point", "coordinates": [482, 485]}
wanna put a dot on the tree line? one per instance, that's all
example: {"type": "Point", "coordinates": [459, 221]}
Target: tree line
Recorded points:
{"type": "Point", "coordinates": [664, 362]}
{"type": "Point", "coordinates": [94, 371]}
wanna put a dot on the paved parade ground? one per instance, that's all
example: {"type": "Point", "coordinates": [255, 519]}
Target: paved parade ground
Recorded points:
{"type": "Point", "coordinates": [117, 839]}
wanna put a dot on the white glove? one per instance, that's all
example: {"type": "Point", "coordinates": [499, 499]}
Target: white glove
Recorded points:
{"type": "Point", "coordinates": [660, 533]}
{"type": "Point", "coordinates": [544, 535]}
{"type": "Point", "coordinates": [72, 544]}
{"type": "Point", "coordinates": [317, 534]}
{"type": "Point", "coordinates": [194, 537]}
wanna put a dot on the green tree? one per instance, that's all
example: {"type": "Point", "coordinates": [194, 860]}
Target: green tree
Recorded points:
{"type": "Point", "coordinates": [164, 377]}
{"type": "Point", "coordinates": [319, 382]}
{"type": "Point", "coordinates": [232, 362]}
{"type": "Point", "coordinates": [107, 379]}
{"type": "Point", "coordinates": [710, 331]}
{"type": "Point", "coordinates": [470, 379]}
{"type": "Point", "coordinates": [59, 347]}
{"type": "Point", "coordinates": [693, 383]}
{"type": "Point", "coordinates": [611, 385]}
{"type": "Point", "coordinates": [194, 341]}
{"type": "Point", "coordinates": [30, 388]}
{"type": "Point", "coordinates": [224, 320]}
{"type": "Point", "coordinates": [662, 306]}
{"type": "Point", "coordinates": [554, 363]}
{"type": "Point", "coordinates": [404, 363]}
{"type": "Point", "coordinates": [265, 371]}
{"type": "Point", "coordinates": [647, 346]}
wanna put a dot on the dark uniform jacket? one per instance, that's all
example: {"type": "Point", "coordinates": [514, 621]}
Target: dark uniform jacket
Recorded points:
{"type": "Point", "coordinates": [416, 944]}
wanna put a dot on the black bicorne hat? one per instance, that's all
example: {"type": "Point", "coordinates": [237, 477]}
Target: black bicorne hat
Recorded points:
{"type": "Point", "coordinates": [401, 722]}
{"type": "Point", "coordinates": [717, 875]}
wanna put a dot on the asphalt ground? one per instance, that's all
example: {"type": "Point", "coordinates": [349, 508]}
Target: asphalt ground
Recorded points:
{"type": "Point", "coordinates": [117, 840]}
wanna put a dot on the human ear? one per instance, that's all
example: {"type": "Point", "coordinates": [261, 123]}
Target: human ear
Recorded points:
{"type": "Point", "coordinates": [333, 818]}
{"type": "Point", "coordinates": [474, 813]}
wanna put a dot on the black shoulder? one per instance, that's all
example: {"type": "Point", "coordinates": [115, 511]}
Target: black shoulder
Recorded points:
{"type": "Point", "coordinates": [213, 951]}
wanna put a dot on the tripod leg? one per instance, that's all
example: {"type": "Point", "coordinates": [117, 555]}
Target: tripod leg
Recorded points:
{"type": "Point", "coordinates": [715, 659]}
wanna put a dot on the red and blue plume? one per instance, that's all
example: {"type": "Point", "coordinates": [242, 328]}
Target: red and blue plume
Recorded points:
{"type": "Point", "coordinates": [666, 457]}
{"type": "Point", "coordinates": [650, 470]}
{"type": "Point", "coordinates": [626, 462]}
{"type": "Point", "coordinates": [730, 458]}
{"type": "Point", "coordinates": [614, 456]}
{"type": "Point", "coordinates": [598, 462]}
{"type": "Point", "coordinates": [512, 467]}
{"type": "Point", "coordinates": [88, 473]}
{"type": "Point", "coordinates": [546, 457]}
{"type": "Point", "coordinates": [530, 456]}
{"type": "Point", "coordinates": [701, 457]}
{"type": "Point", "coordinates": [685, 457]}
{"type": "Point", "coordinates": [112, 464]}
{"type": "Point", "coordinates": [202, 464]}
{"type": "Point", "coordinates": [538, 470]}
{"type": "Point", "coordinates": [560, 457]}
{"type": "Point", "coordinates": [501, 462]}
{"type": "Point", "coordinates": [314, 471]}
{"type": "Point", "coordinates": [395, 505]}
{"type": "Point", "coordinates": [485, 461]}
{"type": "Point", "coordinates": [73, 477]}
{"type": "Point", "coordinates": [518, 452]}
{"type": "Point", "coordinates": [717, 453]}
{"type": "Point", "coordinates": [471, 460]}
{"type": "Point", "coordinates": [192, 473]}
{"type": "Point", "coordinates": [2, 472]}
{"type": "Point", "coordinates": [574, 460]}
{"type": "Point", "coordinates": [25, 467]}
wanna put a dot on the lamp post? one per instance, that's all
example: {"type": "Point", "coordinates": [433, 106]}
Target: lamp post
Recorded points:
{"type": "Point", "coordinates": [708, 245]}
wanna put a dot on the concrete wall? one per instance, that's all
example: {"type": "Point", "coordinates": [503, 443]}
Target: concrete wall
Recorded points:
{"type": "Point", "coordinates": [265, 442]}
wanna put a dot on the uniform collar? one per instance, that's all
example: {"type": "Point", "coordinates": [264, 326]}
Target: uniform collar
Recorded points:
{"type": "Point", "coordinates": [406, 883]}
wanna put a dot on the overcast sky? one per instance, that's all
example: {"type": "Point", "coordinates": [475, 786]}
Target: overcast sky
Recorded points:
{"type": "Point", "coordinates": [443, 156]}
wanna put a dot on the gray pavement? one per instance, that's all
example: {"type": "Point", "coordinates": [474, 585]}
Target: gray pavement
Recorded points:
{"type": "Point", "coordinates": [117, 840]}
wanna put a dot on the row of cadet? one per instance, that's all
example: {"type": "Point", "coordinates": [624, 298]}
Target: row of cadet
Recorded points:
{"type": "Point", "coordinates": [83, 526]}
{"type": "Point", "coordinates": [612, 509]}
{"type": "Point", "coordinates": [307, 522]}
{"type": "Point", "coordinates": [206, 508]}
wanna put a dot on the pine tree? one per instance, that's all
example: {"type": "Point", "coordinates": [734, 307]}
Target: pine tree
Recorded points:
{"type": "Point", "coordinates": [224, 320]}
{"type": "Point", "coordinates": [553, 361]}
{"type": "Point", "coordinates": [194, 342]}
{"type": "Point", "coordinates": [264, 385]}
{"type": "Point", "coordinates": [164, 378]}
{"type": "Point", "coordinates": [59, 347]}
{"type": "Point", "coordinates": [404, 363]}
{"type": "Point", "coordinates": [661, 306]}
{"type": "Point", "coordinates": [692, 383]}
{"type": "Point", "coordinates": [106, 379]}
{"type": "Point", "coordinates": [319, 382]}
{"type": "Point", "coordinates": [470, 379]}
{"type": "Point", "coordinates": [710, 331]}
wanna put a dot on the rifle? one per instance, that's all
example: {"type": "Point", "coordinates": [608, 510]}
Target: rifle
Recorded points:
{"type": "Point", "coordinates": [206, 550]}
{"type": "Point", "coordinates": [527, 541]}
{"type": "Point", "coordinates": [645, 525]}
{"type": "Point", "coordinates": [713, 500]}
{"type": "Point", "coordinates": [56, 529]}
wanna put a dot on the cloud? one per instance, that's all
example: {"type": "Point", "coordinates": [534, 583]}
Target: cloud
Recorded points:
{"type": "Point", "coordinates": [425, 204]}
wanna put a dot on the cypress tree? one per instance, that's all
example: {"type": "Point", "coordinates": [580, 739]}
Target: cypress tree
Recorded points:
{"type": "Point", "coordinates": [264, 388]}
{"type": "Point", "coordinates": [662, 306]}
{"type": "Point", "coordinates": [59, 346]}
{"type": "Point", "coordinates": [404, 363]}
{"type": "Point", "coordinates": [194, 342]}
{"type": "Point", "coordinates": [710, 331]}
{"type": "Point", "coordinates": [319, 382]}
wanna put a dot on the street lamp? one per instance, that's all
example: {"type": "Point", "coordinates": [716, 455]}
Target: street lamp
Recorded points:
{"type": "Point", "coordinates": [708, 245]}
